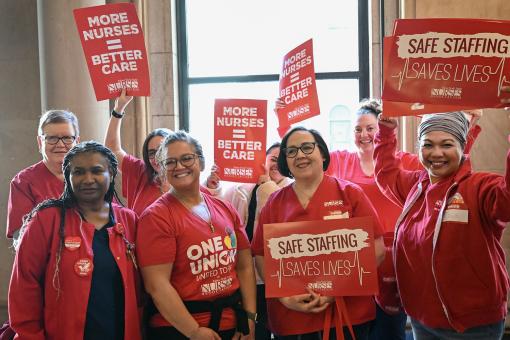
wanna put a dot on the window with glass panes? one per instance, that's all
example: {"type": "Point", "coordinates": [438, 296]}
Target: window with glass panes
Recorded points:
{"type": "Point", "coordinates": [235, 49]}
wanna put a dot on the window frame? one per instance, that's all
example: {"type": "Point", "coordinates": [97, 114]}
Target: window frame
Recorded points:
{"type": "Point", "coordinates": [184, 81]}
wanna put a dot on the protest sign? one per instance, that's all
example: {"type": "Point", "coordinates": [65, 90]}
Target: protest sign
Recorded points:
{"type": "Point", "coordinates": [438, 65]}
{"type": "Point", "coordinates": [298, 90]}
{"type": "Point", "coordinates": [240, 129]}
{"type": "Point", "coordinates": [114, 48]}
{"type": "Point", "coordinates": [331, 257]}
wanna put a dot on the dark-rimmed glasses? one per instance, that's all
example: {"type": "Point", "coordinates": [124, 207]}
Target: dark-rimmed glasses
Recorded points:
{"type": "Point", "coordinates": [186, 160]}
{"type": "Point", "coordinates": [306, 148]}
{"type": "Point", "coordinates": [52, 140]}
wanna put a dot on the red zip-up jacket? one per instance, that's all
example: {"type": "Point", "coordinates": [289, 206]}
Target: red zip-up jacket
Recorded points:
{"type": "Point", "coordinates": [36, 309]}
{"type": "Point", "coordinates": [449, 263]}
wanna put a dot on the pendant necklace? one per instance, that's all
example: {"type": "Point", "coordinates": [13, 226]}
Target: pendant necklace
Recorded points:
{"type": "Point", "coordinates": [201, 210]}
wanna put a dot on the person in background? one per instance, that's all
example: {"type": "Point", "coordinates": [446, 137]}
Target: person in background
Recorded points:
{"type": "Point", "coordinates": [75, 274]}
{"type": "Point", "coordinates": [447, 244]}
{"type": "Point", "coordinates": [305, 157]}
{"type": "Point", "coordinates": [195, 296]}
{"type": "Point", "coordinates": [58, 132]}
{"type": "Point", "coordinates": [141, 184]}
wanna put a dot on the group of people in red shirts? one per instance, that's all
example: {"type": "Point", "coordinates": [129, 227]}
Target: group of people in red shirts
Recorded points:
{"type": "Point", "coordinates": [185, 260]}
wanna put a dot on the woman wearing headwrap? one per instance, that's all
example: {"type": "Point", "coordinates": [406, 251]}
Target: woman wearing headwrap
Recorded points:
{"type": "Point", "coordinates": [449, 263]}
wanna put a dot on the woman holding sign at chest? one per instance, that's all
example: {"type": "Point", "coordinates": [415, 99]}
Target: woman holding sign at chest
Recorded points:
{"type": "Point", "coordinates": [304, 155]}
{"type": "Point", "coordinates": [195, 255]}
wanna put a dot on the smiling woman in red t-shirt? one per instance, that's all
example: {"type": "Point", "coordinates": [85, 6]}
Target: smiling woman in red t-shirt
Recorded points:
{"type": "Point", "coordinates": [194, 255]}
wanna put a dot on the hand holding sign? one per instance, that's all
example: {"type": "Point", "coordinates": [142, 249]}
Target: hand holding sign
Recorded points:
{"type": "Point", "coordinates": [122, 102]}
{"type": "Point", "coordinates": [390, 122]}
{"type": "Point", "coordinates": [114, 47]}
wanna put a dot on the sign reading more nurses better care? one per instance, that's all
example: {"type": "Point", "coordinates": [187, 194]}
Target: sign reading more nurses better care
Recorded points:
{"type": "Point", "coordinates": [439, 65]}
{"type": "Point", "coordinates": [114, 48]}
{"type": "Point", "coordinates": [331, 257]}
{"type": "Point", "coordinates": [298, 90]}
{"type": "Point", "coordinates": [240, 139]}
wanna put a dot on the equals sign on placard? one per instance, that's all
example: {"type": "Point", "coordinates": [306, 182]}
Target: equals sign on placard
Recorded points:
{"type": "Point", "coordinates": [239, 134]}
{"type": "Point", "coordinates": [294, 77]}
{"type": "Point", "coordinates": [113, 44]}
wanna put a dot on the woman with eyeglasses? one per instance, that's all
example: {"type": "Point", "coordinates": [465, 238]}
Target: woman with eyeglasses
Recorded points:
{"type": "Point", "coordinates": [58, 132]}
{"type": "Point", "coordinates": [75, 274]}
{"type": "Point", "coordinates": [305, 157]}
{"type": "Point", "coordinates": [141, 182]}
{"type": "Point", "coordinates": [194, 255]}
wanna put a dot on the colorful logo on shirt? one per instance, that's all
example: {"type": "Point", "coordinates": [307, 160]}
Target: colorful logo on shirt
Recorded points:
{"type": "Point", "coordinates": [72, 243]}
{"type": "Point", "coordinates": [230, 240]}
{"type": "Point", "coordinates": [211, 255]}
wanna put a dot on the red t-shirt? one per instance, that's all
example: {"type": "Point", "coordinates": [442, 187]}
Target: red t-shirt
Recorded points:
{"type": "Point", "coordinates": [284, 206]}
{"type": "Point", "coordinates": [203, 260]}
{"type": "Point", "coordinates": [136, 187]}
{"type": "Point", "coordinates": [30, 187]}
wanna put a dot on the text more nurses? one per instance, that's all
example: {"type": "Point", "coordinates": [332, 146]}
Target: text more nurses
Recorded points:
{"type": "Point", "coordinates": [194, 255]}
{"type": "Point", "coordinates": [75, 274]}
{"type": "Point", "coordinates": [304, 156]}
{"type": "Point", "coordinates": [58, 132]}
{"type": "Point", "coordinates": [447, 244]}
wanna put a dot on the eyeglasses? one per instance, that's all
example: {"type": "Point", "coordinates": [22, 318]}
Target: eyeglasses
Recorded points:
{"type": "Point", "coordinates": [306, 148]}
{"type": "Point", "coordinates": [186, 161]}
{"type": "Point", "coordinates": [52, 140]}
{"type": "Point", "coordinates": [152, 154]}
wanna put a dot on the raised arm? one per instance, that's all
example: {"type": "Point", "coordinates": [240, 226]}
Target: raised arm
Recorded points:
{"type": "Point", "coordinates": [393, 181]}
{"type": "Point", "coordinates": [112, 139]}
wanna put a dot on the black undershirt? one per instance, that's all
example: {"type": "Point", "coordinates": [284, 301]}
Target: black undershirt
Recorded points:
{"type": "Point", "coordinates": [105, 310]}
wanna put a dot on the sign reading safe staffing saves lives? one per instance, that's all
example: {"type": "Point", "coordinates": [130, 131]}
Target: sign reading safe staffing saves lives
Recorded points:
{"type": "Point", "coordinates": [331, 257]}
{"type": "Point", "coordinates": [297, 86]}
{"type": "Point", "coordinates": [240, 129]}
{"type": "Point", "coordinates": [438, 65]}
{"type": "Point", "coordinates": [114, 47]}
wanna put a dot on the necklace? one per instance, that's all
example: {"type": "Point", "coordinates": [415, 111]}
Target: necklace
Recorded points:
{"type": "Point", "coordinates": [200, 210]}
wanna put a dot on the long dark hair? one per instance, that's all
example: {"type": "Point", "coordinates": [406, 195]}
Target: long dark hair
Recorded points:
{"type": "Point", "coordinates": [67, 199]}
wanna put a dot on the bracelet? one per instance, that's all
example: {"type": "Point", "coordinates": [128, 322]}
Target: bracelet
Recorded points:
{"type": "Point", "coordinates": [117, 115]}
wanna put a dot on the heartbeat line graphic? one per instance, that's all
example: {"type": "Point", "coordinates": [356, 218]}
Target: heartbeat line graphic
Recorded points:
{"type": "Point", "coordinates": [503, 80]}
{"type": "Point", "coordinates": [400, 75]}
{"type": "Point", "coordinates": [356, 264]}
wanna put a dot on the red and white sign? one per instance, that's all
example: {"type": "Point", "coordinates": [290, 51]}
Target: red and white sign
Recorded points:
{"type": "Point", "coordinates": [114, 47]}
{"type": "Point", "coordinates": [439, 65]}
{"type": "Point", "coordinates": [297, 86]}
{"type": "Point", "coordinates": [331, 257]}
{"type": "Point", "coordinates": [240, 129]}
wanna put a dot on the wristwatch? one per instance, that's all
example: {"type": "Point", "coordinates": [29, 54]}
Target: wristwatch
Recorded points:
{"type": "Point", "coordinates": [252, 316]}
{"type": "Point", "coordinates": [117, 115]}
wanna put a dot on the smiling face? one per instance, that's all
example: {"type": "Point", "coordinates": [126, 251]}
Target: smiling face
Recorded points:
{"type": "Point", "coordinates": [182, 176]}
{"type": "Point", "coordinates": [303, 166]}
{"type": "Point", "coordinates": [90, 177]}
{"type": "Point", "coordinates": [271, 165]}
{"type": "Point", "coordinates": [364, 132]}
{"type": "Point", "coordinates": [53, 155]}
{"type": "Point", "coordinates": [440, 154]}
